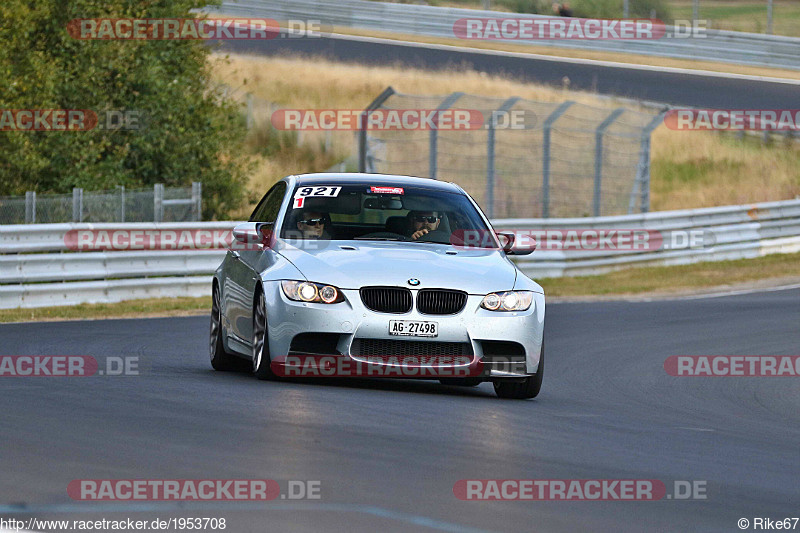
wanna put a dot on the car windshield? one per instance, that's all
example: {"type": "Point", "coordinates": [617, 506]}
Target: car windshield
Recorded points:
{"type": "Point", "coordinates": [327, 211]}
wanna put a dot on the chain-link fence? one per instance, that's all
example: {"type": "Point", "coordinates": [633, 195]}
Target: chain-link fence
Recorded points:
{"type": "Point", "coordinates": [525, 158]}
{"type": "Point", "coordinates": [159, 204]}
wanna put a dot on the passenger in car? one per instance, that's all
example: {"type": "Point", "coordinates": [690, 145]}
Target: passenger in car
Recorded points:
{"type": "Point", "coordinates": [312, 225]}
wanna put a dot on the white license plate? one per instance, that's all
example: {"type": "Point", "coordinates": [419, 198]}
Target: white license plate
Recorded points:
{"type": "Point", "coordinates": [413, 328]}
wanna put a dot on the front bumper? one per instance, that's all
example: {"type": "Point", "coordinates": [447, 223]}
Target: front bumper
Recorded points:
{"type": "Point", "coordinates": [481, 332]}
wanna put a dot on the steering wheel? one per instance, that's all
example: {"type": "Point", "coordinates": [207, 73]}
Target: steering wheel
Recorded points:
{"type": "Point", "coordinates": [432, 236]}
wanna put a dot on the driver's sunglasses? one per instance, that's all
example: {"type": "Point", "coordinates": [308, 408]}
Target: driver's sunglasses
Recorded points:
{"type": "Point", "coordinates": [313, 221]}
{"type": "Point", "coordinates": [426, 219]}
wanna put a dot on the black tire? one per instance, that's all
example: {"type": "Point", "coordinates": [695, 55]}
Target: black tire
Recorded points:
{"type": "Point", "coordinates": [220, 359]}
{"type": "Point", "coordinates": [261, 357]}
{"type": "Point", "coordinates": [461, 382]}
{"type": "Point", "coordinates": [522, 390]}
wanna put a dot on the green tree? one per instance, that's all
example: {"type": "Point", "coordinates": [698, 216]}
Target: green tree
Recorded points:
{"type": "Point", "coordinates": [189, 131]}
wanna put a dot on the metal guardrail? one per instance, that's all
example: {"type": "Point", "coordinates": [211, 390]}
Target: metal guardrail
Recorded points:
{"type": "Point", "coordinates": [735, 232]}
{"type": "Point", "coordinates": [716, 45]}
{"type": "Point", "coordinates": [38, 270]}
{"type": "Point", "coordinates": [53, 237]}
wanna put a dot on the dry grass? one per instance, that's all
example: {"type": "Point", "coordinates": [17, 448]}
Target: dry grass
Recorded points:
{"type": "Point", "coordinates": [742, 15]}
{"type": "Point", "coordinates": [718, 275]}
{"type": "Point", "coordinates": [689, 169]}
{"type": "Point", "coordinates": [319, 83]}
{"type": "Point", "coordinates": [152, 307]}
{"type": "Point", "coordinates": [704, 169]}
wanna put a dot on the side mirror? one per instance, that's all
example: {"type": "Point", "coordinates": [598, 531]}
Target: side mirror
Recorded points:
{"type": "Point", "coordinates": [253, 234]}
{"type": "Point", "coordinates": [507, 241]}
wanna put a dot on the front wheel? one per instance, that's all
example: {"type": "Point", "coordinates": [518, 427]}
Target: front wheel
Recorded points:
{"type": "Point", "coordinates": [261, 358]}
{"type": "Point", "coordinates": [529, 388]}
{"type": "Point", "coordinates": [220, 359]}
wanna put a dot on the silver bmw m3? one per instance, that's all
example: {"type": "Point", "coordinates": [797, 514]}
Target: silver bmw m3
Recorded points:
{"type": "Point", "coordinates": [378, 276]}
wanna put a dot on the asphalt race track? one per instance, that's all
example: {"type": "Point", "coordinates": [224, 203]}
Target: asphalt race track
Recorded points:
{"type": "Point", "coordinates": [387, 453]}
{"type": "Point", "coordinates": [679, 89]}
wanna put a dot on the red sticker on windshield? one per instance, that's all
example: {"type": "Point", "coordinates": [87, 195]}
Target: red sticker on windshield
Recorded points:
{"type": "Point", "coordinates": [299, 202]}
{"type": "Point", "coordinates": [386, 190]}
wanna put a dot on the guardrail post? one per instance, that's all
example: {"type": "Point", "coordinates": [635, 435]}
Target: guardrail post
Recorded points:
{"type": "Point", "coordinates": [433, 150]}
{"type": "Point", "coordinates": [364, 126]}
{"type": "Point", "coordinates": [769, 17]}
{"type": "Point", "coordinates": [548, 126]}
{"type": "Point", "coordinates": [77, 204]}
{"type": "Point", "coordinates": [197, 201]}
{"type": "Point", "coordinates": [598, 156]}
{"type": "Point", "coordinates": [642, 175]}
{"type": "Point", "coordinates": [158, 202]}
{"type": "Point", "coordinates": [641, 183]}
{"type": "Point", "coordinates": [490, 169]}
{"type": "Point", "coordinates": [122, 203]}
{"type": "Point", "coordinates": [30, 207]}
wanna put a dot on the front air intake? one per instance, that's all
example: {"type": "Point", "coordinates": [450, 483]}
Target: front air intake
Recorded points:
{"type": "Point", "coordinates": [400, 348]}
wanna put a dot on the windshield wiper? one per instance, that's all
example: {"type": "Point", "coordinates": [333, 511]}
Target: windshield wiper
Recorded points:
{"type": "Point", "coordinates": [376, 239]}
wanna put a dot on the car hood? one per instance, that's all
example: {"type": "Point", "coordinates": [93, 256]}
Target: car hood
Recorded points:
{"type": "Point", "coordinates": [356, 264]}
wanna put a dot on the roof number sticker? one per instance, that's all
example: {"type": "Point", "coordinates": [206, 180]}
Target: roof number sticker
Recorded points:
{"type": "Point", "coordinates": [314, 192]}
{"type": "Point", "coordinates": [329, 192]}
{"type": "Point", "coordinates": [386, 190]}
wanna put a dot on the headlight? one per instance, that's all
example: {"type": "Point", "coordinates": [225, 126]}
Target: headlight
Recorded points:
{"type": "Point", "coordinates": [306, 291]}
{"type": "Point", "coordinates": [508, 301]}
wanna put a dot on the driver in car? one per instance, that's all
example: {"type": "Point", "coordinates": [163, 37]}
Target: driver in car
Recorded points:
{"type": "Point", "coordinates": [312, 225]}
{"type": "Point", "coordinates": [423, 222]}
